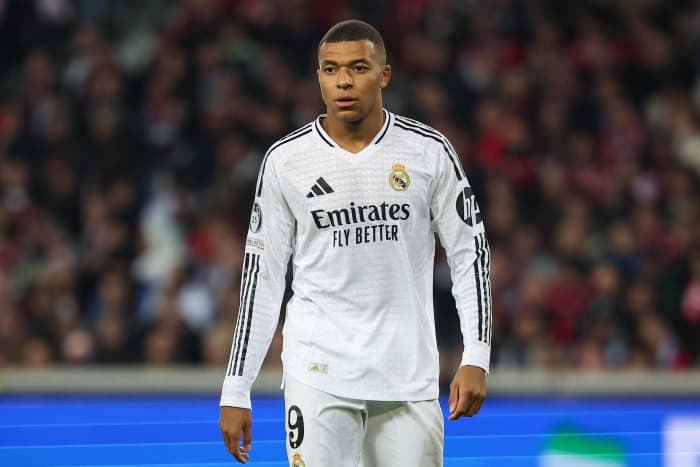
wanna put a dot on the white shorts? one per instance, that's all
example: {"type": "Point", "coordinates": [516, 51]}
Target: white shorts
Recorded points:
{"type": "Point", "coordinates": [329, 431]}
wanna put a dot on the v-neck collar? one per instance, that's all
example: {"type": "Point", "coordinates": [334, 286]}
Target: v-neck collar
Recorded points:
{"type": "Point", "coordinates": [378, 138]}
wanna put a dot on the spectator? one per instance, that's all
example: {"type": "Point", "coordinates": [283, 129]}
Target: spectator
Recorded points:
{"type": "Point", "coordinates": [131, 135]}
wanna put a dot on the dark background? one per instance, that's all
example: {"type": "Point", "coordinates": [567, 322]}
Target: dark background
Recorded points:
{"type": "Point", "coordinates": [131, 133]}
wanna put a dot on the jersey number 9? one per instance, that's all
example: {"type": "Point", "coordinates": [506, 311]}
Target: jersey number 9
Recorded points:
{"type": "Point", "coordinates": [295, 423]}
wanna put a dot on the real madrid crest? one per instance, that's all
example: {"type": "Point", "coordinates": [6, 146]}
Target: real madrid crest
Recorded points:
{"type": "Point", "coordinates": [398, 178]}
{"type": "Point", "coordinates": [296, 461]}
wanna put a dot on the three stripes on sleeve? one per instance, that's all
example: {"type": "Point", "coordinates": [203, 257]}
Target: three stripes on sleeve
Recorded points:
{"type": "Point", "coordinates": [483, 287]}
{"type": "Point", "coordinates": [251, 268]}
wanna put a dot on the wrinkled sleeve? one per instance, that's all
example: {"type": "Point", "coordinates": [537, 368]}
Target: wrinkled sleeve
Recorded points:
{"type": "Point", "coordinates": [267, 251]}
{"type": "Point", "coordinates": [457, 219]}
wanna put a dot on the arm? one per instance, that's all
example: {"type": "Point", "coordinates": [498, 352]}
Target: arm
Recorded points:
{"type": "Point", "coordinates": [458, 221]}
{"type": "Point", "coordinates": [267, 252]}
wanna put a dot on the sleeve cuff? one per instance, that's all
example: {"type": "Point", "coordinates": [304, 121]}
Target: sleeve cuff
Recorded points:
{"type": "Point", "coordinates": [232, 395]}
{"type": "Point", "coordinates": [477, 354]}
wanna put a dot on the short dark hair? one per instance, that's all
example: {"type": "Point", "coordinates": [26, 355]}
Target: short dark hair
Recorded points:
{"type": "Point", "coordinates": [356, 30]}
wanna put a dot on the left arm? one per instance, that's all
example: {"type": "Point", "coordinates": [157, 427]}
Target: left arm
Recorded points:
{"type": "Point", "coordinates": [457, 220]}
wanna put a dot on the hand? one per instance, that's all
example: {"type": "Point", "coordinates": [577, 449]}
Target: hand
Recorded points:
{"type": "Point", "coordinates": [234, 422]}
{"type": "Point", "coordinates": [467, 392]}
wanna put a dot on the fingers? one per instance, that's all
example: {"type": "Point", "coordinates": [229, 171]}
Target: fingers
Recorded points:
{"type": "Point", "coordinates": [464, 402]}
{"type": "Point", "coordinates": [239, 452]}
{"type": "Point", "coordinates": [474, 404]}
{"type": "Point", "coordinates": [243, 455]}
{"type": "Point", "coordinates": [235, 423]}
{"type": "Point", "coordinates": [247, 437]}
{"type": "Point", "coordinates": [227, 438]}
{"type": "Point", "coordinates": [231, 439]}
{"type": "Point", "coordinates": [459, 402]}
{"type": "Point", "coordinates": [454, 389]}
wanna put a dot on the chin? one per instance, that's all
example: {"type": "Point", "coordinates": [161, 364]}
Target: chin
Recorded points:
{"type": "Point", "coordinates": [349, 116]}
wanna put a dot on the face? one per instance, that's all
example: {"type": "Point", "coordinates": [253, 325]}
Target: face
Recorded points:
{"type": "Point", "coordinates": [351, 78]}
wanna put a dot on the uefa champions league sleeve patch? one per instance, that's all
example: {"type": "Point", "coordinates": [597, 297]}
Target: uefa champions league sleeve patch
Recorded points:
{"type": "Point", "coordinates": [256, 218]}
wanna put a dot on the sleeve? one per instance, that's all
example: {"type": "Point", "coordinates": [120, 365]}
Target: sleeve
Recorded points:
{"type": "Point", "coordinates": [458, 221]}
{"type": "Point", "coordinates": [267, 250]}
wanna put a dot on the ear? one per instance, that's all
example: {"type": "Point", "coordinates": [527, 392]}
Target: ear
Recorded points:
{"type": "Point", "coordinates": [385, 76]}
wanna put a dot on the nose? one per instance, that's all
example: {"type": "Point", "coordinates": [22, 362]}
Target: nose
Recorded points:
{"type": "Point", "coordinates": [344, 79]}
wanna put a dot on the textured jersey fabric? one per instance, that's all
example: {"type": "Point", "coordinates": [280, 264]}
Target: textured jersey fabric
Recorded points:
{"type": "Point", "coordinates": [328, 430]}
{"type": "Point", "coordinates": [359, 229]}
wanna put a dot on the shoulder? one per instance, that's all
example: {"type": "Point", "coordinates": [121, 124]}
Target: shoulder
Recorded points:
{"type": "Point", "coordinates": [290, 143]}
{"type": "Point", "coordinates": [283, 150]}
{"type": "Point", "coordinates": [415, 129]}
{"type": "Point", "coordinates": [414, 132]}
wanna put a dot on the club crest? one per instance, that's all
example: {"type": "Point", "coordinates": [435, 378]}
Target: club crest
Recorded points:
{"type": "Point", "coordinates": [398, 178]}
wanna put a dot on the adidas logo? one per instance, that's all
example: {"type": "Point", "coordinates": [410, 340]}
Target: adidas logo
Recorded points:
{"type": "Point", "coordinates": [318, 368]}
{"type": "Point", "coordinates": [321, 187]}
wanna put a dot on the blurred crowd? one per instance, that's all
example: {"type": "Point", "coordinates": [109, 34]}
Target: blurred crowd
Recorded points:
{"type": "Point", "coordinates": [131, 134]}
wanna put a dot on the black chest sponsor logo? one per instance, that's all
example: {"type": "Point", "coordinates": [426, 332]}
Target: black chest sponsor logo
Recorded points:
{"type": "Point", "coordinates": [354, 214]}
{"type": "Point", "coordinates": [358, 224]}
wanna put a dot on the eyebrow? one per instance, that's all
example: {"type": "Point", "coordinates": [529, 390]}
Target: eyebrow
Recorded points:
{"type": "Point", "coordinates": [351, 62]}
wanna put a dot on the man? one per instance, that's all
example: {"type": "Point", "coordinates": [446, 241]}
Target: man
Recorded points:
{"type": "Point", "coordinates": [355, 198]}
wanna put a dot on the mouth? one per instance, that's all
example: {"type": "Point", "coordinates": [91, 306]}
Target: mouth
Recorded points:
{"type": "Point", "coordinates": [345, 102]}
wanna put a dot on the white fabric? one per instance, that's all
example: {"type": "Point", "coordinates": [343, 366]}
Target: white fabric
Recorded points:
{"type": "Point", "coordinates": [328, 430]}
{"type": "Point", "coordinates": [360, 231]}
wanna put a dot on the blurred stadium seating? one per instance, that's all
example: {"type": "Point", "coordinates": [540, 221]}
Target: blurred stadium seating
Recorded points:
{"type": "Point", "coordinates": [131, 134]}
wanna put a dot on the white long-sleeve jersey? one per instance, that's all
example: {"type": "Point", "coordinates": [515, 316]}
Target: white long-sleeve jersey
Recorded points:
{"type": "Point", "coordinates": [360, 232]}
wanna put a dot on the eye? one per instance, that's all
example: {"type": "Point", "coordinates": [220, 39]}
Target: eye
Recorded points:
{"type": "Point", "coordinates": [361, 68]}
{"type": "Point", "coordinates": [328, 69]}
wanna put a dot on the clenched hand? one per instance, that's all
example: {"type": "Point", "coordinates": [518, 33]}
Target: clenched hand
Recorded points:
{"type": "Point", "coordinates": [467, 392]}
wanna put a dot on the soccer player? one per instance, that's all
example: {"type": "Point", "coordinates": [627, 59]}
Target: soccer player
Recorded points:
{"type": "Point", "coordinates": [355, 198]}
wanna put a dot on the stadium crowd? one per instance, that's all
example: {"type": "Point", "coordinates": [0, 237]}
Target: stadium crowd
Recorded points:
{"type": "Point", "coordinates": [131, 135]}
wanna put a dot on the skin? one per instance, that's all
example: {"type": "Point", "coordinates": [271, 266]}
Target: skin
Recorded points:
{"type": "Point", "coordinates": [352, 75]}
{"type": "Point", "coordinates": [352, 70]}
{"type": "Point", "coordinates": [467, 392]}
{"type": "Point", "coordinates": [236, 423]}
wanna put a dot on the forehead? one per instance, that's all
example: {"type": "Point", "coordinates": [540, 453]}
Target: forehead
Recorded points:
{"type": "Point", "coordinates": [347, 51]}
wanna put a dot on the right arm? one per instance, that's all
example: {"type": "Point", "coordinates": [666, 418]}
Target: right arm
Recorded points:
{"type": "Point", "coordinates": [267, 251]}
{"type": "Point", "coordinates": [458, 220]}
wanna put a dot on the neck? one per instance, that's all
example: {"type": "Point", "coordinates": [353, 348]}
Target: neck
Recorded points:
{"type": "Point", "coordinates": [354, 136]}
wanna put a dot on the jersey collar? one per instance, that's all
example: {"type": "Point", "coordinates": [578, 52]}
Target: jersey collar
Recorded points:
{"type": "Point", "coordinates": [378, 138]}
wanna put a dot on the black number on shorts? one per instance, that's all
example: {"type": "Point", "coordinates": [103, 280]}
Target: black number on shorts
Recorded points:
{"type": "Point", "coordinates": [296, 427]}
